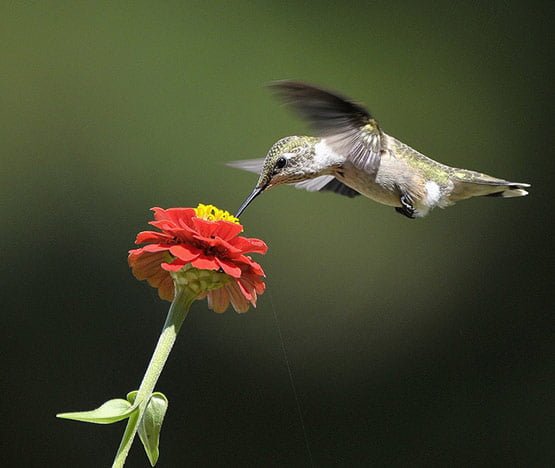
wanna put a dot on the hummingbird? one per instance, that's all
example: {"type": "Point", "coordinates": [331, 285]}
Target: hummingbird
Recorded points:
{"type": "Point", "coordinates": [351, 155]}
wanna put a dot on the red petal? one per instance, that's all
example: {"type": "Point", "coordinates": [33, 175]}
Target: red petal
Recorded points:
{"type": "Point", "coordinates": [159, 213]}
{"type": "Point", "coordinates": [251, 281]}
{"type": "Point", "coordinates": [181, 216]}
{"type": "Point", "coordinates": [229, 267]}
{"type": "Point", "coordinates": [135, 253]}
{"type": "Point", "coordinates": [157, 247]}
{"type": "Point", "coordinates": [249, 262]}
{"type": "Point", "coordinates": [249, 244]}
{"type": "Point", "coordinates": [175, 265]}
{"type": "Point", "coordinates": [145, 237]}
{"type": "Point", "coordinates": [173, 230]}
{"type": "Point", "coordinates": [174, 215]}
{"type": "Point", "coordinates": [248, 294]}
{"type": "Point", "coordinates": [185, 252]}
{"type": "Point", "coordinates": [205, 228]}
{"type": "Point", "coordinates": [219, 243]}
{"type": "Point", "coordinates": [223, 229]}
{"type": "Point", "coordinates": [228, 230]}
{"type": "Point", "coordinates": [205, 263]}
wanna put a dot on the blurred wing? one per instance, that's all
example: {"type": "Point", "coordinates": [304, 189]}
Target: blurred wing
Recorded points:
{"type": "Point", "coordinates": [250, 165]}
{"type": "Point", "coordinates": [340, 188]}
{"type": "Point", "coordinates": [316, 184]}
{"type": "Point", "coordinates": [327, 183]}
{"type": "Point", "coordinates": [347, 126]}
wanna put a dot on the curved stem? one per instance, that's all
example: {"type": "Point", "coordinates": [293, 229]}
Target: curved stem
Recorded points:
{"type": "Point", "coordinates": [179, 308]}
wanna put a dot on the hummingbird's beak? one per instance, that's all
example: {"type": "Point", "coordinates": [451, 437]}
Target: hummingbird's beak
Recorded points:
{"type": "Point", "coordinates": [257, 191]}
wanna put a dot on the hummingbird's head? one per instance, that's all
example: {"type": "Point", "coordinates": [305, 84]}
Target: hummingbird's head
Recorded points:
{"type": "Point", "coordinates": [287, 162]}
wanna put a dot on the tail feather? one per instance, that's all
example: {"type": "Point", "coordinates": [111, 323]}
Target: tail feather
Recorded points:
{"type": "Point", "coordinates": [513, 190]}
{"type": "Point", "coordinates": [474, 184]}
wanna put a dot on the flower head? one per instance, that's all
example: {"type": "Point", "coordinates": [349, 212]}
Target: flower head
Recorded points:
{"type": "Point", "coordinates": [200, 248]}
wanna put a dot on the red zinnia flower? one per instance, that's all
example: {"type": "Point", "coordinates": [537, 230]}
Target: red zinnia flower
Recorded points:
{"type": "Point", "coordinates": [199, 241]}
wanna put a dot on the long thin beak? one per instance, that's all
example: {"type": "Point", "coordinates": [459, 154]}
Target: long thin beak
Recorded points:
{"type": "Point", "coordinates": [257, 191]}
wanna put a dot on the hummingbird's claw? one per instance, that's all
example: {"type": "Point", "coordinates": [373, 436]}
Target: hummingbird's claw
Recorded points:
{"type": "Point", "coordinates": [406, 208]}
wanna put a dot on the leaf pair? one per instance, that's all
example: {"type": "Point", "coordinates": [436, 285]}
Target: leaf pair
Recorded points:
{"type": "Point", "coordinates": [118, 409]}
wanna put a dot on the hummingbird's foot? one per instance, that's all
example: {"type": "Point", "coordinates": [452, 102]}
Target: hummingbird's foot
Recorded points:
{"type": "Point", "coordinates": [406, 208]}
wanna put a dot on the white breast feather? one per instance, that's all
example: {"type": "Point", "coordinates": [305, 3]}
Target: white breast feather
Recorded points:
{"type": "Point", "coordinates": [433, 194]}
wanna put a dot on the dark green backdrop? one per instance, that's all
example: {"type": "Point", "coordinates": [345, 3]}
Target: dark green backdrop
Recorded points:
{"type": "Point", "coordinates": [422, 343]}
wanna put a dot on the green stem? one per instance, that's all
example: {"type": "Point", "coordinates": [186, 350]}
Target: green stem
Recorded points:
{"type": "Point", "coordinates": [179, 308]}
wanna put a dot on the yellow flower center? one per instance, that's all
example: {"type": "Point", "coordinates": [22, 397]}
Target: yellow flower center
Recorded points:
{"type": "Point", "coordinates": [211, 213]}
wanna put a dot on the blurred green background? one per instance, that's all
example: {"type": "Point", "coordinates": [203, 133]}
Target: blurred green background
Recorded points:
{"type": "Point", "coordinates": [419, 343]}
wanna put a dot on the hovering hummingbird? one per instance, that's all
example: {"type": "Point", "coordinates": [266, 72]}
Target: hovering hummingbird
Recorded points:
{"type": "Point", "coordinates": [351, 155]}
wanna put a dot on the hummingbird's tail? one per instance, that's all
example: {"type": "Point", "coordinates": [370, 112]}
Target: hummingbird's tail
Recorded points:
{"type": "Point", "coordinates": [513, 190]}
{"type": "Point", "coordinates": [475, 184]}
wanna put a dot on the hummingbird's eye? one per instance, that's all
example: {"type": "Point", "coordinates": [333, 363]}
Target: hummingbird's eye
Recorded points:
{"type": "Point", "coordinates": [280, 163]}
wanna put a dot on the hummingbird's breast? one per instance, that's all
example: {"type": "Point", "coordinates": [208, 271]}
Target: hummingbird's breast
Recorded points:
{"type": "Point", "coordinates": [393, 178]}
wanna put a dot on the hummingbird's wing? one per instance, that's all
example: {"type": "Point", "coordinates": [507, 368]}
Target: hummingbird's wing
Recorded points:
{"type": "Point", "coordinates": [327, 183]}
{"type": "Point", "coordinates": [339, 187]}
{"type": "Point", "coordinates": [347, 126]}
{"type": "Point", "coordinates": [250, 165]}
{"type": "Point", "coordinates": [314, 185]}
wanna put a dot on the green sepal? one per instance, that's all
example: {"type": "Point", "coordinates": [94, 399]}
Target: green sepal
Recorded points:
{"type": "Point", "coordinates": [110, 412]}
{"type": "Point", "coordinates": [151, 424]}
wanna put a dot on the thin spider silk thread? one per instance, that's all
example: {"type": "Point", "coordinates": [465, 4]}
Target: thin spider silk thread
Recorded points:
{"type": "Point", "coordinates": [291, 380]}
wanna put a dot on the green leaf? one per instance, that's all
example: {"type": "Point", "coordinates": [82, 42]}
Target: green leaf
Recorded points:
{"type": "Point", "coordinates": [151, 425]}
{"type": "Point", "coordinates": [110, 412]}
{"type": "Point", "coordinates": [131, 396]}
